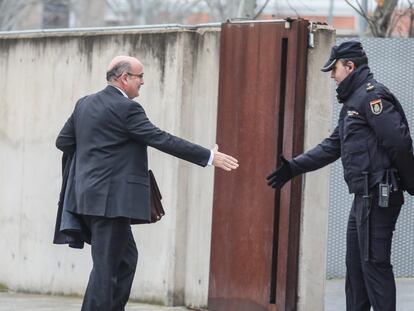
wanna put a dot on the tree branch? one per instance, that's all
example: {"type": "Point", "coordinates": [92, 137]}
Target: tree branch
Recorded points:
{"type": "Point", "coordinates": [394, 21]}
{"type": "Point", "coordinates": [411, 13]}
{"type": "Point", "coordinates": [260, 11]}
{"type": "Point", "coordinates": [355, 8]}
{"type": "Point", "coordinates": [12, 11]}
{"type": "Point", "coordinates": [293, 9]}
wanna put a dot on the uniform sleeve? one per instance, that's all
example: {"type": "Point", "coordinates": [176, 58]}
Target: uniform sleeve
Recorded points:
{"type": "Point", "coordinates": [328, 151]}
{"type": "Point", "coordinates": [66, 140]}
{"type": "Point", "coordinates": [393, 135]}
{"type": "Point", "coordinates": [141, 129]}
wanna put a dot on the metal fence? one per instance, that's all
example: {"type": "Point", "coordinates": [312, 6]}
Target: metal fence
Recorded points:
{"type": "Point", "coordinates": [392, 62]}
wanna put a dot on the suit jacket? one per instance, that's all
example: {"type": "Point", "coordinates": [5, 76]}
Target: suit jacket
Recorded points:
{"type": "Point", "coordinates": [110, 134]}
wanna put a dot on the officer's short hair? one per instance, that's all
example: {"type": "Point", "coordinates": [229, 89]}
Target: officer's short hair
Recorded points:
{"type": "Point", "coordinates": [358, 61]}
{"type": "Point", "coordinates": [117, 70]}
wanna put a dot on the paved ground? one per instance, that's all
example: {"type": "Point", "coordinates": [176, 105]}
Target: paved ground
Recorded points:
{"type": "Point", "coordinates": [334, 300]}
{"type": "Point", "coordinates": [335, 295]}
{"type": "Point", "coordinates": [27, 302]}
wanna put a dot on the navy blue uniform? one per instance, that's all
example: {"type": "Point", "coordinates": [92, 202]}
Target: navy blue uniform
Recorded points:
{"type": "Point", "coordinates": [372, 136]}
{"type": "Point", "coordinates": [365, 140]}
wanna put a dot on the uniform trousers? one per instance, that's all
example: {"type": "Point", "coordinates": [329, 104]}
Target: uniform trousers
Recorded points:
{"type": "Point", "coordinates": [115, 257]}
{"type": "Point", "coordinates": [371, 282]}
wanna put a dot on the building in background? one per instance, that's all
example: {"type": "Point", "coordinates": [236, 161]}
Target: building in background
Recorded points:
{"type": "Point", "coordinates": [44, 14]}
{"type": "Point", "coordinates": [337, 13]}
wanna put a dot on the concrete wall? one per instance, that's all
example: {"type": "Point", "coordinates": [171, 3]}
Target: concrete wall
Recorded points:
{"type": "Point", "coordinates": [43, 75]}
{"type": "Point", "coordinates": [315, 201]}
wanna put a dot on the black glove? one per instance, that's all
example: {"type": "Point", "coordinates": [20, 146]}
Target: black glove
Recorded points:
{"type": "Point", "coordinates": [281, 175]}
{"type": "Point", "coordinates": [410, 191]}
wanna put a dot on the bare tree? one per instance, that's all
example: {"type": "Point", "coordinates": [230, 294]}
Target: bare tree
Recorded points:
{"type": "Point", "coordinates": [55, 13]}
{"type": "Point", "coordinates": [246, 8]}
{"type": "Point", "coordinates": [41, 13]}
{"type": "Point", "coordinates": [405, 28]}
{"type": "Point", "coordinates": [221, 10]}
{"type": "Point", "coordinates": [411, 24]}
{"type": "Point", "coordinates": [11, 11]}
{"type": "Point", "coordinates": [382, 17]}
{"type": "Point", "coordinates": [261, 9]}
{"type": "Point", "coordinates": [86, 13]}
{"type": "Point", "coordinates": [152, 12]}
{"type": "Point", "coordinates": [387, 14]}
{"type": "Point", "coordinates": [177, 11]}
{"type": "Point", "coordinates": [90, 13]}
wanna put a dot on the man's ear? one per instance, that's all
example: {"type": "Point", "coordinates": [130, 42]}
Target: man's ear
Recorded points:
{"type": "Point", "coordinates": [350, 65]}
{"type": "Point", "coordinates": [124, 78]}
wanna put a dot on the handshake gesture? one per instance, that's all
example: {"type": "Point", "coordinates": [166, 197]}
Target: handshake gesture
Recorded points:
{"type": "Point", "coordinates": [281, 175]}
{"type": "Point", "coordinates": [224, 161]}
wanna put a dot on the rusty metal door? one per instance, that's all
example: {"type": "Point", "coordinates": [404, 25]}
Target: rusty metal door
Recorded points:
{"type": "Point", "coordinates": [255, 232]}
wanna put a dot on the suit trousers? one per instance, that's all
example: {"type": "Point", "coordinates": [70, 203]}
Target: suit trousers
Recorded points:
{"type": "Point", "coordinates": [371, 282]}
{"type": "Point", "coordinates": [115, 257]}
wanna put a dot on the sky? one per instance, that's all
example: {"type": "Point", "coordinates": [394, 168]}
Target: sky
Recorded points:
{"type": "Point", "coordinates": [314, 7]}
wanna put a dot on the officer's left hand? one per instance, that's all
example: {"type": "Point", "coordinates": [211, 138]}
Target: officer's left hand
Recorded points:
{"type": "Point", "coordinates": [281, 175]}
{"type": "Point", "coordinates": [410, 191]}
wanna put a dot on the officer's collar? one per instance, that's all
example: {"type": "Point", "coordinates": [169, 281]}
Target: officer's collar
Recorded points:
{"type": "Point", "coordinates": [352, 82]}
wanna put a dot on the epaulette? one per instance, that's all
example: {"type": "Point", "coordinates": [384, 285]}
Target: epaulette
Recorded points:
{"type": "Point", "coordinates": [370, 87]}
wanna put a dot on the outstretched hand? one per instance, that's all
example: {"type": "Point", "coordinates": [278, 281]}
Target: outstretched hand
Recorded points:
{"type": "Point", "coordinates": [281, 175]}
{"type": "Point", "coordinates": [223, 160]}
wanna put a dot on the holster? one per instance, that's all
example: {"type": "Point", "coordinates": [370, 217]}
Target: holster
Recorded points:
{"type": "Point", "coordinates": [394, 179]}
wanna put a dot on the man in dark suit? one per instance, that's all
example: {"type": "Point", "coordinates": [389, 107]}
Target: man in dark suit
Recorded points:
{"type": "Point", "coordinates": [109, 133]}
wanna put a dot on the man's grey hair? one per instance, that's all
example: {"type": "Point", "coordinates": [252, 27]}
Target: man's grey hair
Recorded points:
{"type": "Point", "coordinates": [117, 71]}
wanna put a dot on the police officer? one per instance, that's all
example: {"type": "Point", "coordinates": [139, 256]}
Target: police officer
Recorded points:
{"type": "Point", "coordinates": [372, 139]}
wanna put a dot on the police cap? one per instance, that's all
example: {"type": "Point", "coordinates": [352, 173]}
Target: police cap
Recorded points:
{"type": "Point", "coordinates": [347, 49]}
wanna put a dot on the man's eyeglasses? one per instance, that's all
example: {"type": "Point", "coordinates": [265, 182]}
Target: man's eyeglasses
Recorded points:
{"type": "Point", "coordinates": [141, 75]}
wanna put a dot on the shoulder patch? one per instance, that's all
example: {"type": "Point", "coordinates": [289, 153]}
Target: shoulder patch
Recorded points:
{"type": "Point", "coordinates": [370, 87]}
{"type": "Point", "coordinates": [376, 106]}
